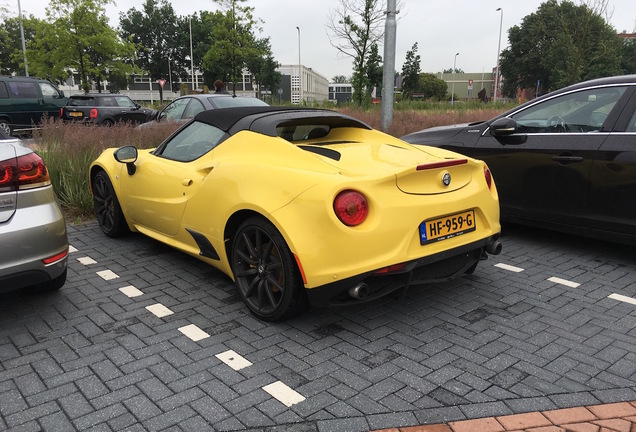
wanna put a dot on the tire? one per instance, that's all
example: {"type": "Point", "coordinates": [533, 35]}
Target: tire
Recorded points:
{"type": "Point", "coordinates": [107, 209]}
{"type": "Point", "coordinates": [108, 123]}
{"type": "Point", "coordinates": [266, 272]}
{"type": "Point", "coordinates": [52, 285]}
{"type": "Point", "coordinates": [5, 126]}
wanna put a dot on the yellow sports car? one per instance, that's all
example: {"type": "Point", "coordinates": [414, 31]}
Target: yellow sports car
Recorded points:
{"type": "Point", "coordinates": [302, 206]}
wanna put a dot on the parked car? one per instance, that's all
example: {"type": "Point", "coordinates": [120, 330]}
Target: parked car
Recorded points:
{"type": "Point", "coordinates": [565, 161]}
{"type": "Point", "coordinates": [105, 109]}
{"type": "Point", "coordinates": [24, 101]}
{"type": "Point", "coordinates": [302, 205]}
{"type": "Point", "coordinates": [185, 108]}
{"type": "Point", "coordinates": [34, 245]}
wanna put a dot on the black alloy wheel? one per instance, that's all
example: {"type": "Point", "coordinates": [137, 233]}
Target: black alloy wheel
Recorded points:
{"type": "Point", "coordinates": [109, 215]}
{"type": "Point", "coordinates": [265, 272]}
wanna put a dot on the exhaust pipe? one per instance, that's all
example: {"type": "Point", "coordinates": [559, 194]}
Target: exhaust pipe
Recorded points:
{"type": "Point", "coordinates": [359, 291]}
{"type": "Point", "coordinates": [494, 247]}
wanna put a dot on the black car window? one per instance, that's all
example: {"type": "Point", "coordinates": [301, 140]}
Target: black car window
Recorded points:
{"type": "Point", "coordinates": [230, 101]}
{"type": "Point", "coordinates": [107, 102]}
{"type": "Point", "coordinates": [4, 94]}
{"type": "Point", "coordinates": [192, 142]}
{"type": "Point", "coordinates": [48, 90]}
{"type": "Point", "coordinates": [194, 107]}
{"type": "Point", "coordinates": [581, 111]}
{"type": "Point", "coordinates": [124, 102]}
{"type": "Point", "coordinates": [631, 127]}
{"type": "Point", "coordinates": [174, 111]}
{"type": "Point", "coordinates": [25, 90]}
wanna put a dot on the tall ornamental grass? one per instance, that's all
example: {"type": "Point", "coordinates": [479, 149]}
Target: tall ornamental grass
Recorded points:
{"type": "Point", "coordinates": [68, 149]}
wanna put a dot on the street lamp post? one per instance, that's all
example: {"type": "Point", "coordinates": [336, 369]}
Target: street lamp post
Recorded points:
{"type": "Point", "coordinates": [26, 67]}
{"type": "Point", "coordinates": [300, 74]}
{"type": "Point", "coordinates": [498, 49]}
{"type": "Point", "coordinates": [191, 56]}
{"type": "Point", "coordinates": [453, 86]}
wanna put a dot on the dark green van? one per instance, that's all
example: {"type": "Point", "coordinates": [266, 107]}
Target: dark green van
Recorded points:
{"type": "Point", "coordinates": [24, 101]}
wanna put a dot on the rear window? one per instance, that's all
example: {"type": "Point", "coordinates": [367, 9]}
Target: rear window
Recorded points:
{"type": "Point", "coordinates": [4, 94]}
{"type": "Point", "coordinates": [83, 101]}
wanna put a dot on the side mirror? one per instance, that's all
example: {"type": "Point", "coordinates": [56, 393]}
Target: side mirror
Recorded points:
{"type": "Point", "coordinates": [503, 127]}
{"type": "Point", "coordinates": [128, 156]}
{"type": "Point", "coordinates": [137, 106]}
{"type": "Point", "coordinates": [61, 93]}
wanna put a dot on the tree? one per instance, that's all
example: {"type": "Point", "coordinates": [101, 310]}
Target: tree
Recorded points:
{"type": "Point", "coordinates": [354, 27]}
{"type": "Point", "coordinates": [11, 56]}
{"type": "Point", "coordinates": [339, 79]}
{"type": "Point", "coordinates": [410, 72]}
{"type": "Point", "coordinates": [450, 70]}
{"type": "Point", "coordinates": [559, 45]}
{"type": "Point", "coordinates": [264, 74]}
{"type": "Point", "coordinates": [629, 57]}
{"type": "Point", "coordinates": [432, 87]}
{"type": "Point", "coordinates": [374, 68]}
{"type": "Point", "coordinates": [155, 34]}
{"type": "Point", "coordinates": [234, 42]}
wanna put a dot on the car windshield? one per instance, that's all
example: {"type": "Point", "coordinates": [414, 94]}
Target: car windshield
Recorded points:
{"type": "Point", "coordinates": [232, 102]}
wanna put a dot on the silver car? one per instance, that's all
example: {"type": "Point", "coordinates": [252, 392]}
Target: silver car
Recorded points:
{"type": "Point", "coordinates": [33, 239]}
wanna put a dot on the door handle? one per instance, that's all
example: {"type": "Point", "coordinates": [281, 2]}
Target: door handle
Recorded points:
{"type": "Point", "coordinates": [186, 182]}
{"type": "Point", "coordinates": [567, 159]}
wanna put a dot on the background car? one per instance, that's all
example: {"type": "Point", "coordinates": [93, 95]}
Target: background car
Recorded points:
{"type": "Point", "coordinates": [105, 109]}
{"type": "Point", "coordinates": [185, 108]}
{"type": "Point", "coordinates": [24, 101]}
{"type": "Point", "coordinates": [32, 229]}
{"type": "Point", "coordinates": [565, 161]}
{"type": "Point", "coordinates": [302, 205]}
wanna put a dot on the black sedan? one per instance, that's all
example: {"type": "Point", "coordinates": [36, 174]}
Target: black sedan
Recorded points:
{"type": "Point", "coordinates": [105, 109]}
{"type": "Point", "coordinates": [565, 161]}
{"type": "Point", "coordinates": [184, 108]}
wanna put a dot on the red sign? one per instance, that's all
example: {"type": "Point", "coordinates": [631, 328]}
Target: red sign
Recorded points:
{"type": "Point", "coordinates": [161, 82]}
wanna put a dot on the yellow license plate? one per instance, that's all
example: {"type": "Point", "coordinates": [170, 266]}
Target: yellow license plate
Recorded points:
{"type": "Point", "coordinates": [447, 227]}
{"type": "Point", "coordinates": [75, 114]}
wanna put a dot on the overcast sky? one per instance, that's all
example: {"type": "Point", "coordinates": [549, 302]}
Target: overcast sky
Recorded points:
{"type": "Point", "coordinates": [441, 28]}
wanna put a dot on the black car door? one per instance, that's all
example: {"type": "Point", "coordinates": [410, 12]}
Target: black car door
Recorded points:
{"type": "Point", "coordinates": [542, 170]}
{"type": "Point", "coordinates": [611, 199]}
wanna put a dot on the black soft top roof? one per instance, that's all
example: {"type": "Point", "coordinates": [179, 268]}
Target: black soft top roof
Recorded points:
{"type": "Point", "coordinates": [266, 119]}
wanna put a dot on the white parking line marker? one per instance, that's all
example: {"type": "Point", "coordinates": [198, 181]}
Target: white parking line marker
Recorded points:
{"type": "Point", "coordinates": [233, 360]}
{"type": "Point", "coordinates": [623, 298]}
{"type": "Point", "coordinates": [71, 249]}
{"type": "Point", "coordinates": [193, 332]}
{"type": "Point", "coordinates": [564, 282]}
{"type": "Point", "coordinates": [131, 291]}
{"type": "Point", "coordinates": [509, 267]}
{"type": "Point", "coordinates": [87, 261]}
{"type": "Point", "coordinates": [159, 310]}
{"type": "Point", "coordinates": [283, 393]}
{"type": "Point", "coordinates": [107, 274]}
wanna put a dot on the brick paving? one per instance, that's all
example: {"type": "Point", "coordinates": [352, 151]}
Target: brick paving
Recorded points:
{"type": "Point", "coordinates": [502, 347]}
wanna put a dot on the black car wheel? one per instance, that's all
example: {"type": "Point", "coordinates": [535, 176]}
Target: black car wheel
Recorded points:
{"type": "Point", "coordinates": [109, 215]}
{"type": "Point", "coordinates": [265, 272]}
{"type": "Point", "coordinates": [5, 126]}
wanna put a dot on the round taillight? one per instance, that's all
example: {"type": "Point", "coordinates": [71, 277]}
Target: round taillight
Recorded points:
{"type": "Point", "coordinates": [488, 177]}
{"type": "Point", "coordinates": [93, 113]}
{"type": "Point", "coordinates": [351, 207]}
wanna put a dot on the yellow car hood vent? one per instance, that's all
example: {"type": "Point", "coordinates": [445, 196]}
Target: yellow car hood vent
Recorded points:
{"type": "Point", "coordinates": [435, 177]}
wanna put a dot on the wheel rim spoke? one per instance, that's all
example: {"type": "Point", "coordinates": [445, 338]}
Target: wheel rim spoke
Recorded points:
{"type": "Point", "coordinates": [258, 270]}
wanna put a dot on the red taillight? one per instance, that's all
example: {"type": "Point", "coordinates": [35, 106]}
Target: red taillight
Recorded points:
{"type": "Point", "coordinates": [61, 112]}
{"type": "Point", "coordinates": [351, 207]}
{"type": "Point", "coordinates": [390, 269]}
{"type": "Point", "coordinates": [93, 113]}
{"type": "Point", "coordinates": [55, 258]}
{"type": "Point", "coordinates": [488, 177]}
{"type": "Point", "coordinates": [25, 172]}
